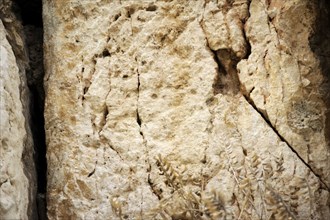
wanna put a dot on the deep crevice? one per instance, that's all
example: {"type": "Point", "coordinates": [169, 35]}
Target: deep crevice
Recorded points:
{"type": "Point", "coordinates": [248, 44]}
{"type": "Point", "coordinates": [319, 43]}
{"type": "Point", "coordinates": [31, 16]}
{"type": "Point", "coordinates": [31, 12]}
{"type": "Point", "coordinates": [218, 85]}
{"type": "Point", "coordinates": [217, 60]}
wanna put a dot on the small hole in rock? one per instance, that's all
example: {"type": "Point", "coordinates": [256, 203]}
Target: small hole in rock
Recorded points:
{"type": "Point", "coordinates": [244, 152]}
{"type": "Point", "coordinates": [154, 96]}
{"type": "Point", "coordinates": [105, 53]}
{"type": "Point", "coordinates": [130, 12]}
{"type": "Point", "coordinates": [151, 8]}
{"type": "Point", "coordinates": [116, 17]}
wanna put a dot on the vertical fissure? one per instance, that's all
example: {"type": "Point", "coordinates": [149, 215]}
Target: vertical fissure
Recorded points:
{"type": "Point", "coordinates": [31, 17]}
{"type": "Point", "coordinates": [319, 43]}
{"type": "Point", "coordinates": [138, 118]}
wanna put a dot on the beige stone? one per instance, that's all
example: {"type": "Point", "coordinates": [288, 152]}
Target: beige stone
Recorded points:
{"type": "Point", "coordinates": [146, 119]}
{"type": "Point", "coordinates": [14, 185]}
{"type": "Point", "coordinates": [18, 185]}
{"type": "Point", "coordinates": [282, 78]}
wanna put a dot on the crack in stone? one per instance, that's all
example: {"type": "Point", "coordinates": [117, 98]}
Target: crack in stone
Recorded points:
{"type": "Point", "coordinates": [25, 19]}
{"type": "Point", "coordinates": [139, 122]}
{"type": "Point", "coordinates": [152, 186]}
{"type": "Point", "coordinates": [265, 118]}
{"type": "Point", "coordinates": [105, 113]}
{"type": "Point", "coordinates": [246, 96]}
{"type": "Point", "coordinates": [112, 148]}
{"type": "Point", "coordinates": [250, 101]}
{"type": "Point", "coordinates": [138, 118]}
{"type": "Point", "coordinates": [91, 173]}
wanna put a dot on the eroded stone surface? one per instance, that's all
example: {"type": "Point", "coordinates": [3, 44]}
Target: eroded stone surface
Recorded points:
{"type": "Point", "coordinates": [144, 116]}
{"type": "Point", "coordinates": [17, 169]}
{"type": "Point", "coordinates": [14, 185]}
{"type": "Point", "coordinates": [282, 77]}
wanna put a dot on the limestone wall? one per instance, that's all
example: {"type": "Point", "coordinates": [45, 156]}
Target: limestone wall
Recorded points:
{"type": "Point", "coordinates": [17, 170]}
{"type": "Point", "coordinates": [184, 110]}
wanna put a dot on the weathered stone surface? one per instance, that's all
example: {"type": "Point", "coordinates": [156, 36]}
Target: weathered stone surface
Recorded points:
{"type": "Point", "coordinates": [282, 77]}
{"type": "Point", "coordinates": [17, 176]}
{"type": "Point", "coordinates": [17, 188]}
{"type": "Point", "coordinates": [146, 117]}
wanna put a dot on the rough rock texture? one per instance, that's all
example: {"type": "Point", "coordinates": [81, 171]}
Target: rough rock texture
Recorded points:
{"type": "Point", "coordinates": [282, 78]}
{"type": "Point", "coordinates": [17, 171]}
{"type": "Point", "coordinates": [150, 111]}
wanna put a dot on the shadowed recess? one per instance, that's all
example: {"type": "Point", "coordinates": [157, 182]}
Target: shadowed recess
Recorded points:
{"type": "Point", "coordinates": [319, 43]}
{"type": "Point", "coordinates": [30, 13]}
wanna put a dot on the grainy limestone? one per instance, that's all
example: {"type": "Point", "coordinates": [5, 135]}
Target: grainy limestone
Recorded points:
{"type": "Point", "coordinates": [17, 174]}
{"type": "Point", "coordinates": [147, 115]}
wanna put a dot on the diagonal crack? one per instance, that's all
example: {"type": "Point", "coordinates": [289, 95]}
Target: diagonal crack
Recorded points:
{"type": "Point", "coordinates": [246, 96]}
{"type": "Point", "coordinates": [112, 148]}
{"type": "Point", "coordinates": [265, 118]}
{"type": "Point", "coordinates": [250, 101]}
{"type": "Point", "coordinates": [153, 188]}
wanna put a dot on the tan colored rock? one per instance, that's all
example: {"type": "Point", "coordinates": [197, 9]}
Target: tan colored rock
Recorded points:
{"type": "Point", "coordinates": [282, 78]}
{"type": "Point", "coordinates": [144, 122]}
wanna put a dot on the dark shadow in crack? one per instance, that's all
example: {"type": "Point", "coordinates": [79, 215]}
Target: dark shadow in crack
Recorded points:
{"type": "Point", "coordinates": [320, 45]}
{"type": "Point", "coordinates": [30, 13]}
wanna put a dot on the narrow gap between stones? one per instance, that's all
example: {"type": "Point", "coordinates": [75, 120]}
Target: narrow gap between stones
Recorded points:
{"type": "Point", "coordinates": [31, 16]}
{"type": "Point", "coordinates": [319, 43]}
